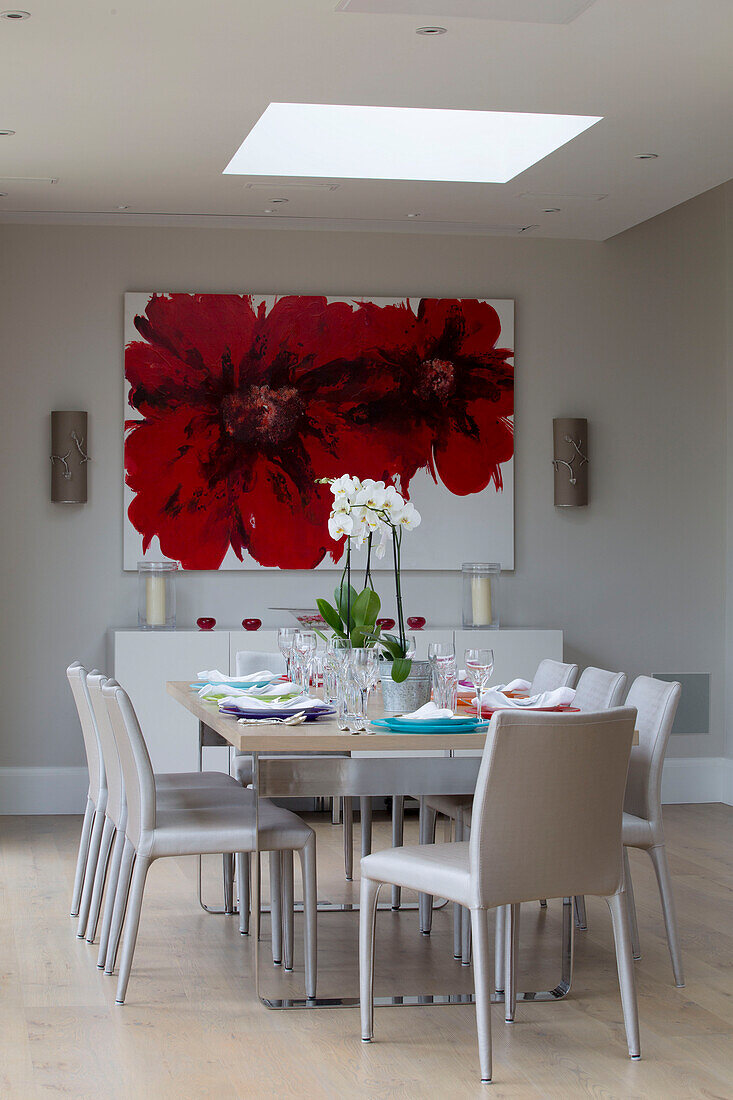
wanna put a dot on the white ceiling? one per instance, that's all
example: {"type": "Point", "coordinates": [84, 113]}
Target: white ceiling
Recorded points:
{"type": "Point", "coordinates": [142, 105]}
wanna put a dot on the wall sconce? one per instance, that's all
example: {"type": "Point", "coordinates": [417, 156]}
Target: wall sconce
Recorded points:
{"type": "Point", "coordinates": [69, 457]}
{"type": "Point", "coordinates": [570, 460]}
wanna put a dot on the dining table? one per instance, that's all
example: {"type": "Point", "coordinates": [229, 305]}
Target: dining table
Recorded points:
{"type": "Point", "coordinates": [396, 764]}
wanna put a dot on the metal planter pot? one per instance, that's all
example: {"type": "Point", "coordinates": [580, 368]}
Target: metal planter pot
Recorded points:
{"type": "Point", "coordinates": [412, 693]}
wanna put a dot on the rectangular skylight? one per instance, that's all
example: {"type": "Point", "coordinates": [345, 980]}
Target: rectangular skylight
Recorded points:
{"type": "Point", "coordinates": [336, 141]}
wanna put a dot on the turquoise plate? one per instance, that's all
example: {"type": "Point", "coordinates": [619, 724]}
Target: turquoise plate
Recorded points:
{"type": "Point", "coordinates": [447, 723]}
{"type": "Point", "coordinates": [428, 727]}
{"type": "Point", "coordinates": [236, 684]}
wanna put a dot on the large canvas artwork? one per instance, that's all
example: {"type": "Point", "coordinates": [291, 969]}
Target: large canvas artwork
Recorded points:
{"type": "Point", "coordinates": [237, 403]}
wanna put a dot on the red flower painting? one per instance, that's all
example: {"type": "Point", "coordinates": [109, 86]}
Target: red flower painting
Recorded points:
{"type": "Point", "coordinates": [243, 403]}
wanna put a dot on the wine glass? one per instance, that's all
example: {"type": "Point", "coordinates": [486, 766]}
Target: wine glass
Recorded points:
{"type": "Point", "coordinates": [479, 667]}
{"type": "Point", "coordinates": [364, 667]}
{"type": "Point", "coordinates": [304, 648]}
{"type": "Point", "coordinates": [285, 638]}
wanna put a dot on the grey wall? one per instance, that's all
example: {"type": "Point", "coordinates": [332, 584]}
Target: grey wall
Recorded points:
{"type": "Point", "coordinates": [630, 333]}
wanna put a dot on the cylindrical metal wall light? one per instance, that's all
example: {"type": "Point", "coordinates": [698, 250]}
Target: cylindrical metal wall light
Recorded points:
{"type": "Point", "coordinates": [69, 457]}
{"type": "Point", "coordinates": [570, 459]}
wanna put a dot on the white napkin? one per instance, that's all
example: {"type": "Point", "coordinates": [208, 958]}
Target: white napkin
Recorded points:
{"type": "Point", "coordinates": [252, 702]}
{"type": "Point", "coordinates": [560, 697]}
{"type": "Point", "coordinates": [428, 710]}
{"type": "Point", "coordinates": [216, 677]}
{"type": "Point", "coordinates": [271, 691]}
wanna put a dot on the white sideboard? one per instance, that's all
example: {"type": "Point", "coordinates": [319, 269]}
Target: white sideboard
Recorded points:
{"type": "Point", "coordinates": [143, 660]}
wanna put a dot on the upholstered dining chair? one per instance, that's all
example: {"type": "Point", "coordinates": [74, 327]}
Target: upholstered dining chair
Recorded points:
{"type": "Point", "coordinates": [549, 676]}
{"type": "Point", "coordinates": [178, 790]}
{"type": "Point", "coordinates": [557, 765]}
{"type": "Point", "coordinates": [656, 704]}
{"type": "Point", "coordinates": [152, 832]}
{"type": "Point", "coordinates": [93, 823]}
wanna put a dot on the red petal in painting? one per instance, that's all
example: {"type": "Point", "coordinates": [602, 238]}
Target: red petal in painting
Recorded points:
{"type": "Point", "coordinates": [243, 408]}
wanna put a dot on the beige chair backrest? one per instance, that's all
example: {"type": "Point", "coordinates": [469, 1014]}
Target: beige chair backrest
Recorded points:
{"type": "Point", "coordinates": [137, 771]}
{"type": "Point", "coordinates": [656, 705]}
{"type": "Point", "coordinates": [77, 677]}
{"type": "Point", "coordinates": [547, 812]}
{"type": "Point", "coordinates": [599, 690]}
{"type": "Point", "coordinates": [110, 756]}
{"type": "Point", "coordinates": [248, 662]}
{"type": "Point", "coordinates": [551, 675]}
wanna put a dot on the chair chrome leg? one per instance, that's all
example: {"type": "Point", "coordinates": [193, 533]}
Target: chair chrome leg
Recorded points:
{"type": "Point", "coordinates": [398, 824]}
{"type": "Point", "coordinates": [132, 922]}
{"type": "Point", "coordinates": [276, 907]}
{"type": "Point", "coordinates": [113, 877]}
{"type": "Point", "coordinates": [427, 825]}
{"type": "Point", "coordinates": [288, 908]}
{"type": "Point", "coordinates": [499, 952]}
{"type": "Point", "coordinates": [511, 949]}
{"type": "Point", "coordinates": [581, 919]}
{"type": "Point", "coordinates": [242, 862]}
{"type": "Point", "coordinates": [228, 880]}
{"type": "Point", "coordinates": [365, 814]}
{"type": "Point", "coordinates": [118, 916]}
{"type": "Point", "coordinates": [336, 810]}
{"type": "Point", "coordinates": [348, 823]}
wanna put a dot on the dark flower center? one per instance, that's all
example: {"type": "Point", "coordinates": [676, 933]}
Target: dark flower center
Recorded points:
{"type": "Point", "coordinates": [437, 379]}
{"type": "Point", "coordinates": [262, 415]}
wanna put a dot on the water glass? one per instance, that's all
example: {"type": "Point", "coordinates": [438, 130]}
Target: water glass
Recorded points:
{"type": "Point", "coordinates": [285, 638]}
{"type": "Point", "coordinates": [445, 682]}
{"type": "Point", "coordinates": [479, 667]}
{"type": "Point", "coordinates": [334, 660]}
{"type": "Point", "coordinates": [304, 650]}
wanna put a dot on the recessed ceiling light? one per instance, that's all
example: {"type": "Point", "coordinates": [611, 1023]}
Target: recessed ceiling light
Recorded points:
{"type": "Point", "coordinates": [400, 143]}
{"type": "Point", "coordinates": [431, 30]}
{"type": "Point", "coordinates": [3, 194]}
{"type": "Point", "coordinates": [15, 15]}
{"type": "Point", "coordinates": [276, 201]}
{"type": "Point", "coordinates": [552, 210]}
{"type": "Point", "coordinates": [646, 156]}
{"type": "Point", "coordinates": [412, 215]}
{"type": "Point", "coordinates": [269, 211]}
{"type": "Point", "coordinates": [123, 207]}
{"type": "Point", "coordinates": [6, 133]}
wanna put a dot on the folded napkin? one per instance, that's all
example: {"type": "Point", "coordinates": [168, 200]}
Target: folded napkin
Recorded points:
{"type": "Point", "coordinates": [252, 702]}
{"type": "Point", "coordinates": [428, 710]}
{"type": "Point", "coordinates": [513, 685]}
{"type": "Point", "coordinates": [216, 677]}
{"type": "Point", "coordinates": [271, 691]}
{"type": "Point", "coordinates": [560, 697]}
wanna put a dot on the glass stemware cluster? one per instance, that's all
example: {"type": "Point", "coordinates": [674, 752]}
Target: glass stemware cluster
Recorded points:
{"type": "Point", "coordinates": [300, 650]}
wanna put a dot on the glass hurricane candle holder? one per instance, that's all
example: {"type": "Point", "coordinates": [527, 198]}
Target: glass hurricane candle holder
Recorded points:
{"type": "Point", "coordinates": [156, 604]}
{"type": "Point", "coordinates": [481, 594]}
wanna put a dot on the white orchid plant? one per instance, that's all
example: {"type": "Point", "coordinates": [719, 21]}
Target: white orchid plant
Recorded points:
{"type": "Point", "coordinates": [362, 511]}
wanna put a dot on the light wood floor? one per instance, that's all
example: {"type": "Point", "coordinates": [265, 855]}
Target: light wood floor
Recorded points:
{"type": "Point", "coordinates": [192, 1027]}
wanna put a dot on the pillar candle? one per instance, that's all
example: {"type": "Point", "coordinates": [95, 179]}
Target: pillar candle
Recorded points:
{"type": "Point", "coordinates": [155, 600]}
{"type": "Point", "coordinates": [481, 600]}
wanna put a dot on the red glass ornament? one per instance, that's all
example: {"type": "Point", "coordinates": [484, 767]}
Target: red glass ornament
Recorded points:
{"type": "Point", "coordinates": [251, 624]}
{"type": "Point", "coordinates": [206, 623]}
{"type": "Point", "coordinates": [416, 622]}
{"type": "Point", "coordinates": [386, 624]}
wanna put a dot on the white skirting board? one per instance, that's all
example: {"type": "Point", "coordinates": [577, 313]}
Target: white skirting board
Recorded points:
{"type": "Point", "coordinates": [63, 790]}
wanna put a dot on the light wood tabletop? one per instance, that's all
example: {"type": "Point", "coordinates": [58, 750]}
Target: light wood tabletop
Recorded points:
{"type": "Point", "coordinates": [321, 736]}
